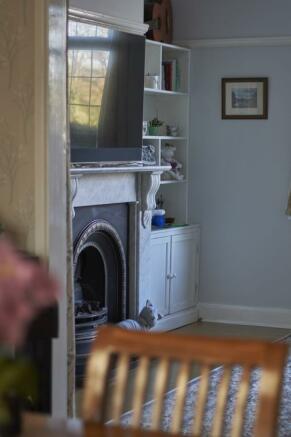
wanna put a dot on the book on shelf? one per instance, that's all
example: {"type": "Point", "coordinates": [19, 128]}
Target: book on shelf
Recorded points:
{"type": "Point", "coordinates": [170, 75]}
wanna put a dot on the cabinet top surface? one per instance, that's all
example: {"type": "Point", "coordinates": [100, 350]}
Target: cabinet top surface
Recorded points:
{"type": "Point", "coordinates": [171, 230]}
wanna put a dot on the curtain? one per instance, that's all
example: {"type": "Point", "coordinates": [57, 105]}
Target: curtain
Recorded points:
{"type": "Point", "coordinates": [114, 97]}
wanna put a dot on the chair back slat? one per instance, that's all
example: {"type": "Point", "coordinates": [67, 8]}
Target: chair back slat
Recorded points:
{"type": "Point", "coordinates": [140, 386]}
{"type": "Point", "coordinates": [201, 400]}
{"type": "Point", "coordinates": [241, 403]}
{"type": "Point", "coordinates": [119, 387]}
{"type": "Point", "coordinates": [161, 380]}
{"type": "Point", "coordinates": [94, 394]}
{"type": "Point", "coordinates": [181, 388]}
{"type": "Point", "coordinates": [269, 394]}
{"type": "Point", "coordinates": [222, 392]}
{"type": "Point", "coordinates": [163, 351]}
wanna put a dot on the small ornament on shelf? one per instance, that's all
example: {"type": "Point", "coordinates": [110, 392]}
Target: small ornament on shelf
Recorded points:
{"type": "Point", "coordinates": [167, 158]}
{"type": "Point", "coordinates": [158, 218]}
{"type": "Point", "coordinates": [149, 154]}
{"type": "Point", "coordinates": [156, 127]}
{"type": "Point", "coordinates": [145, 128]}
{"type": "Point", "coordinates": [152, 81]}
{"type": "Point", "coordinates": [172, 130]}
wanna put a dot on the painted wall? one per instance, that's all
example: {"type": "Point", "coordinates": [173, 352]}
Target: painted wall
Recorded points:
{"type": "Point", "coordinates": [240, 177]}
{"type": "Point", "coordinates": [240, 169]}
{"type": "Point", "coordinates": [231, 18]}
{"type": "Point", "coordinates": [127, 9]}
{"type": "Point", "coordinates": [17, 192]}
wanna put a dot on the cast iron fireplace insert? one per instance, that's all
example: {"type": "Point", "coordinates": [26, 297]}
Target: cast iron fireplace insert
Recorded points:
{"type": "Point", "coordinates": [100, 280]}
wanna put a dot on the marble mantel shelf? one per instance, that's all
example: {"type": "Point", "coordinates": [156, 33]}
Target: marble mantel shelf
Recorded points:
{"type": "Point", "coordinates": [126, 169]}
{"type": "Point", "coordinates": [120, 184]}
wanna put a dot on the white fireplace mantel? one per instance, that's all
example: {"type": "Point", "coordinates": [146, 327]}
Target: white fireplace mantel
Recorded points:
{"type": "Point", "coordinates": [136, 186]}
{"type": "Point", "coordinates": [108, 185]}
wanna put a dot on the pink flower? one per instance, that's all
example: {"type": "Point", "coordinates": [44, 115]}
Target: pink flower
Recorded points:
{"type": "Point", "coordinates": [26, 287]}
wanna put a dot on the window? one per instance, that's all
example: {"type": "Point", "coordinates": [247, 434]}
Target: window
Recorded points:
{"type": "Point", "coordinates": [86, 77]}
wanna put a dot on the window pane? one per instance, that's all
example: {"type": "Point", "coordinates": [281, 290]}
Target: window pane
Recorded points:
{"type": "Point", "coordinates": [97, 89]}
{"type": "Point", "coordinates": [94, 116]}
{"type": "Point", "coordinates": [102, 32]}
{"type": "Point", "coordinates": [100, 63]}
{"type": "Point", "coordinates": [80, 91]}
{"type": "Point", "coordinates": [70, 62]}
{"type": "Point", "coordinates": [86, 29]}
{"type": "Point", "coordinates": [72, 28]}
{"type": "Point", "coordinates": [82, 63]}
{"type": "Point", "coordinates": [79, 115]}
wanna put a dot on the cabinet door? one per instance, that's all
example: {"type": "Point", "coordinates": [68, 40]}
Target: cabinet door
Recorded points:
{"type": "Point", "coordinates": [160, 265]}
{"type": "Point", "coordinates": [184, 271]}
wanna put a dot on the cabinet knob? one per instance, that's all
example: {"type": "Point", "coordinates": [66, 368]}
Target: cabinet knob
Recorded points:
{"type": "Point", "coordinates": [171, 276]}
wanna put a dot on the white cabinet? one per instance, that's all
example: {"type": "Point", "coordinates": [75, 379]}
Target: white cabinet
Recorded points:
{"type": "Point", "coordinates": [175, 275]}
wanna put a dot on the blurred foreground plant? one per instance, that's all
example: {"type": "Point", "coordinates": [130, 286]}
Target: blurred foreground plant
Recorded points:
{"type": "Point", "coordinates": [26, 288]}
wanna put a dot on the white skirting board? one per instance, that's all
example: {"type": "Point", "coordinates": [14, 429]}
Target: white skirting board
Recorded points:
{"type": "Point", "coordinates": [244, 315]}
{"type": "Point", "coordinates": [176, 320]}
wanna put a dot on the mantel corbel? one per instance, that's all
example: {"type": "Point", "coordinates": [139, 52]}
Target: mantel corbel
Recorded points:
{"type": "Point", "coordinates": [150, 183]}
{"type": "Point", "coordinates": [74, 191]}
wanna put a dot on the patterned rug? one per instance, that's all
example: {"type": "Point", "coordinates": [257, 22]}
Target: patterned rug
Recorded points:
{"type": "Point", "coordinates": [284, 421]}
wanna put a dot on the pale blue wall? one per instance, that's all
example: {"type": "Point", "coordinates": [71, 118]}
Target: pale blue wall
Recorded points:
{"type": "Point", "coordinates": [240, 176]}
{"type": "Point", "coordinates": [240, 170]}
{"type": "Point", "coordinates": [231, 18]}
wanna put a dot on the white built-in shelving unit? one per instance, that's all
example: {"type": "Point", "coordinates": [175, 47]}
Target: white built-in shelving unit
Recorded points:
{"type": "Point", "coordinates": [174, 271]}
{"type": "Point", "coordinates": [172, 107]}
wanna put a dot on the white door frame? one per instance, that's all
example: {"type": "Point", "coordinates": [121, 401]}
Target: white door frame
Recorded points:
{"type": "Point", "coordinates": [51, 169]}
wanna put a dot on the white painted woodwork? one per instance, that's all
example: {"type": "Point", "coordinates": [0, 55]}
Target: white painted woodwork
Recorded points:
{"type": "Point", "coordinates": [174, 275]}
{"type": "Point", "coordinates": [160, 266]}
{"type": "Point", "coordinates": [245, 315]}
{"type": "Point", "coordinates": [172, 107]}
{"type": "Point", "coordinates": [54, 14]}
{"type": "Point", "coordinates": [118, 23]}
{"type": "Point", "coordinates": [127, 10]}
{"type": "Point", "coordinates": [183, 272]}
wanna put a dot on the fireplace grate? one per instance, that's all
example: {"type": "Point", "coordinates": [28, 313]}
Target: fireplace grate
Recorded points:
{"type": "Point", "coordinates": [87, 321]}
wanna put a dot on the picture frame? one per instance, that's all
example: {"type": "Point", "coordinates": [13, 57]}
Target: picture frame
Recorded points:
{"type": "Point", "coordinates": [244, 98]}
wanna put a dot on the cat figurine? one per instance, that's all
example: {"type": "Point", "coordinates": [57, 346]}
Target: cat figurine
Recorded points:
{"type": "Point", "coordinates": [146, 319]}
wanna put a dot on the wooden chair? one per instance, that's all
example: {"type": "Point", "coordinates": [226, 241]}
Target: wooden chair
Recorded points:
{"type": "Point", "coordinates": [165, 348]}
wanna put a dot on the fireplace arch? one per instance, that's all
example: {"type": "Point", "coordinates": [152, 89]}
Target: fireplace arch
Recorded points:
{"type": "Point", "coordinates": [100, 296]}
{"type": "Point", "coordinates": [100, 239]}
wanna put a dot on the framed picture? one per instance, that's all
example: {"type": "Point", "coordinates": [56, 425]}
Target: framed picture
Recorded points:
{"type": "Point", "coordinates": [245, 98]}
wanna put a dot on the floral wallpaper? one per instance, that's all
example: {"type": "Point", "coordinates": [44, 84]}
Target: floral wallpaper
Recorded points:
{"type": "Point", "coordinates": [17, 118]}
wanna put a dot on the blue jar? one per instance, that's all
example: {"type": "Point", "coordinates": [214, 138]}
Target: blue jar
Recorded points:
{"type": "Point", "coordinates": [158, 220]}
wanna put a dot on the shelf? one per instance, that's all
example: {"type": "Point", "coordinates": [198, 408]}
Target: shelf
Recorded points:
{"type": "Point", "coordinates": [164, 92]}
{"type": "Point", "coordinates": [172, 107]}
{"type": "Point", "coordinates": [168, 46]}
{"type": "Point", "coordinates": [153, 137]}
{"type": "Point", "coordinates": [172, 182]}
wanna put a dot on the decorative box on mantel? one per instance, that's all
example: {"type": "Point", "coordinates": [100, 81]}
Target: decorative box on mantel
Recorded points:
{"type": "Point", "coordinates": [136, 187]}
